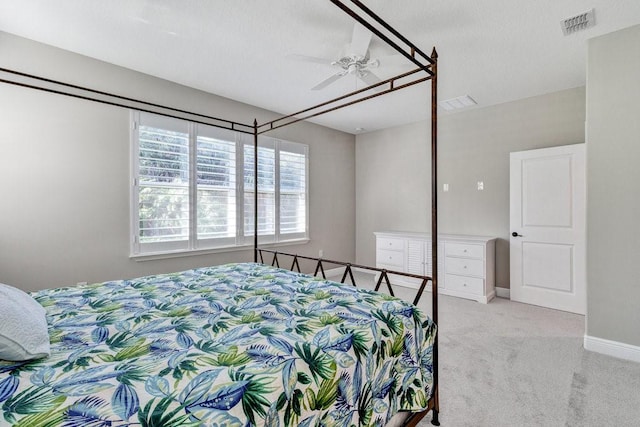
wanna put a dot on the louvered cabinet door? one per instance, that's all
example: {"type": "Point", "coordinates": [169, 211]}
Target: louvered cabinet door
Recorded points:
{"type": "Point", "coordinates": [416, 252]}
{"type": "Point", "coordinates": [418, 259]}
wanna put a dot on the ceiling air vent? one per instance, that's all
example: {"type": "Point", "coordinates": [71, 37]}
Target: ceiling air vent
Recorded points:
{"type": "Point", "coordinates": [456, 103]}
{"type": "Point", "coordinates": [578, 23]}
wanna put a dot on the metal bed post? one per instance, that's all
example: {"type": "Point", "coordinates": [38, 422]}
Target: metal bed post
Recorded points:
{"type": "Point", "coordinates": [434, 227]}
{"type": "Point", "coordinates": [255, 190]}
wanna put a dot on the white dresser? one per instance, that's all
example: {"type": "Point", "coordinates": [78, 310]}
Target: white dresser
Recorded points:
{"type": "Point", "coordinates": [466, 264]}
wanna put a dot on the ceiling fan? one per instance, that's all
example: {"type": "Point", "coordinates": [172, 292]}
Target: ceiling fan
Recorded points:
{"type": "Point", "coordinates": [354, 60]}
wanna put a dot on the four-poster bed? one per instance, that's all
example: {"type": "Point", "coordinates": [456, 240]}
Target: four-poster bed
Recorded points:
{"type": "Point", "coordinates": [123, 344]}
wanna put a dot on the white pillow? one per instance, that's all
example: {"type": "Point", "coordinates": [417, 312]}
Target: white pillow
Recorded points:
{"type": "Point", "coordinates": [23, 326]}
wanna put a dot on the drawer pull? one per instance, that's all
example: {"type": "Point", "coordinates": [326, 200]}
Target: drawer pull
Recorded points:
{"type": "Point", "coordinates": [465, 251]}
{"type": "Point", "coordinates": [465, 267]}
{"type": "Point", "coordinates": [464, 284]}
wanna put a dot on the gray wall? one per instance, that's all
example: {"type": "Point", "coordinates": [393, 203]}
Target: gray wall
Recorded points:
{"type": "Point", "coordinates": [613, 205]}
{"type": "Point", "coordinates": [393, 173]}
{"type": "Point", "coordinates": [64, 173]}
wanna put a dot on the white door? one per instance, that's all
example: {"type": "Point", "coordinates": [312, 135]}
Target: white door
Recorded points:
{"type": "Point", "coordinates": [547, 244]}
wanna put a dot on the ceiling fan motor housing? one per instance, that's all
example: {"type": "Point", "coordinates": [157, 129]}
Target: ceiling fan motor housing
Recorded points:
{"type": "Point", "coordinates": [354, 63]}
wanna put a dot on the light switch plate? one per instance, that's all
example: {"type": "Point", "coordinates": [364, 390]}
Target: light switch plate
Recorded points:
{"type": "Point", "coordinates": [480, 185]}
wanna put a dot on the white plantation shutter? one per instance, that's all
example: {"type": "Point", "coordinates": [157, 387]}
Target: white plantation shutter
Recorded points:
{"type": "Point", "coordinates": [216, 186]}
{"type": "Point", "coordinates": [293, 188]}
{"type": "Point", "coordinates": [193, 187]}
{"type": "Point", "coordinates": [163, 184]}
{"type": "Point", "coordinates": [282, 190]}
{"type": "Point", "coordinates": [266, 190]}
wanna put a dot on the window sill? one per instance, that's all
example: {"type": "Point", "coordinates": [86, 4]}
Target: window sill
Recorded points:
{"type": "Point", "coordinates": [223, 249]}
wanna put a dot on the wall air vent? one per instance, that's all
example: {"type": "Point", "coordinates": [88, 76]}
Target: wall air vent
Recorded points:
{"type": "Point", "coordinates": [578, 23]}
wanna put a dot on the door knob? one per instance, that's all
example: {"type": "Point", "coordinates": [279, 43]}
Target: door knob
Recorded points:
{"type": "Point", "coordinates": [514, 234]}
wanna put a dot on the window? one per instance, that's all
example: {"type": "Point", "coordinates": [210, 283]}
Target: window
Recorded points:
{"type": "Point", "coordinates": [282, 189]}
{"type": "Point", "coordinates": [293, 188]}
{"type": "Point", "coordinates": [193, 187]}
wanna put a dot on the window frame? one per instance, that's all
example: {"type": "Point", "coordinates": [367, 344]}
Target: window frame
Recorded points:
{"type": "Point", "coordinates": [192, 245]}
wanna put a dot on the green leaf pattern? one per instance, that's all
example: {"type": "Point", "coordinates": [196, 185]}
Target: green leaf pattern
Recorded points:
{"type": "Point", "coordinates": [232, 345]}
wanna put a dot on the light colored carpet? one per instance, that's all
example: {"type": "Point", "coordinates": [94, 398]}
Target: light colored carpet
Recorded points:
{"type": "Point", "coordinates": [512, 364]}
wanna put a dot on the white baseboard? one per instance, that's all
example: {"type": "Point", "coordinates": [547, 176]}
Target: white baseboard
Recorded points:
{"type": "Point", "coordinates": [503, 292]}
{"type": "Point", "coordinates": [486, 299]}
{"type": "Point", "coordinates": [612, 348]}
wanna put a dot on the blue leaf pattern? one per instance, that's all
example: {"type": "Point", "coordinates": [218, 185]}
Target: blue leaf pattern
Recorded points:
{"type": "Point", "coordinates": [280, 344]}
{"type": "Point", "coordinates": [157, 386]}
{"type": "Point", "coordinates": [233, 345]}
{"type": "Point", "coordinates": [42, 376]}
{"type": "Point", "coordinates": [224, 397]}
{"type": "Point", "coordinates": [342, 343]}
{"type": "Point", "coordinates": [125, 401]}
{"type": "Point", "coordinates": [8, 386]}
{"type": "Point", "coordinates": [184, 340]}
{"type": "Point", "coordinates": [322, 338]}
{"type": "Point", "coordinates": [289, 377]}
{"type": "Point", "coordinates": [87, 412]}
{"type": "Point", "coordinates": [198, 386]}
{"type": "Point", "coordinates": [99, 334]}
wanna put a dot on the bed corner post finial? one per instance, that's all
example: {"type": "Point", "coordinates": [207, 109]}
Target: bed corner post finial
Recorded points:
{"type": "Point", "coordinates": [434, 53]}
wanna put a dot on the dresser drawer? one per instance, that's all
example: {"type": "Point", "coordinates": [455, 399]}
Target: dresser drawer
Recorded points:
{"type": "Point", "coordinates": [464, 266]}
{"type": "Point", "coordinates": [392, 258]}
{"type": "Point", "coordinates": [464, 250]}
{"type": "Point", "coordinates": [471, 285]}
{"type": "Point", "coordinates": [390, 244]}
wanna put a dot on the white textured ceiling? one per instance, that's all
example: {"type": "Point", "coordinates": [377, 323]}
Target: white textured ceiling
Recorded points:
{"type": "Point", "coordinates": [493, 50]}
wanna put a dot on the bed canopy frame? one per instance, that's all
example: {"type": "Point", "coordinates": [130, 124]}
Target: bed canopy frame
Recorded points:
{"type": "Point", "coordinates": [425, 64]}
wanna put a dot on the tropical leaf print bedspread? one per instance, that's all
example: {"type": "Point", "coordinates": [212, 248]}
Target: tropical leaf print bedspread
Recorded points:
{"type": "Point", "coordinates": [234, 345]}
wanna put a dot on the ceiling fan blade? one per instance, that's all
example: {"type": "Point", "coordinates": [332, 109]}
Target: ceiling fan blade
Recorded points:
{"type": "Point", "coordinates": [307, 58]}
{"type": "Point", "coordinates": [360, 40]}
{"type": "Point", "coordinates": [328, 81]}
{"type": "Point", "coordinates": [369, 78]}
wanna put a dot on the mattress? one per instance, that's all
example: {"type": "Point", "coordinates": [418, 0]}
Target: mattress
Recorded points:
{"type": "Point", "coordinates": [231, 345]}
